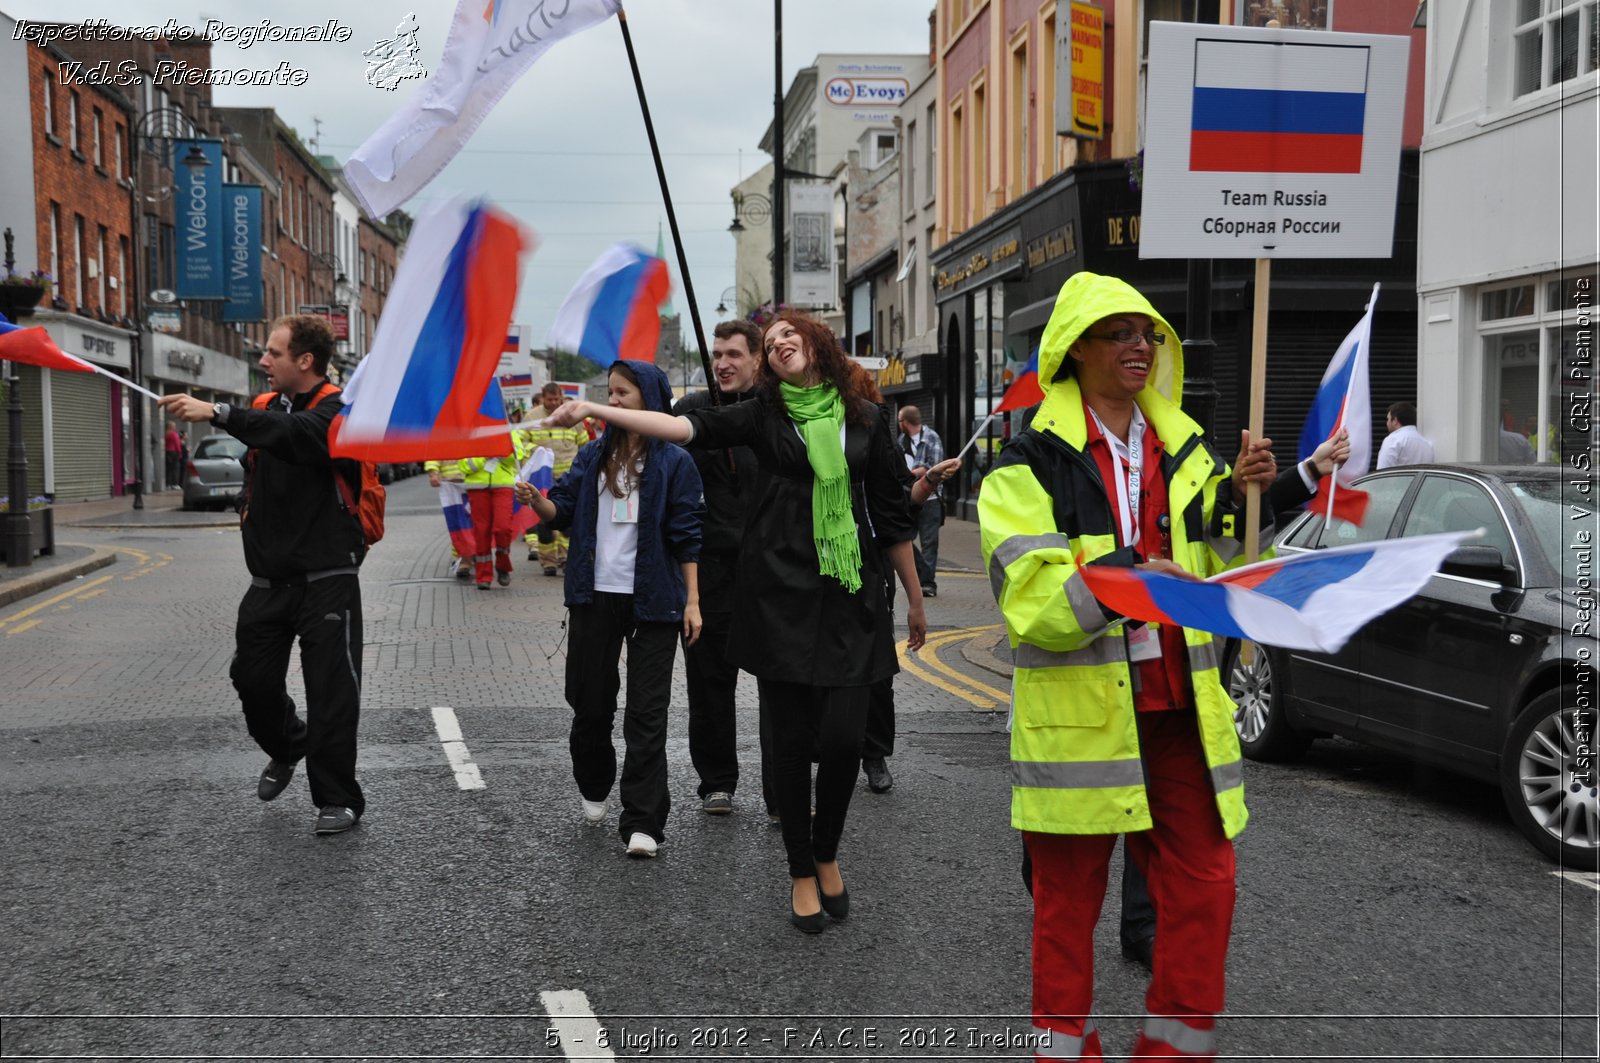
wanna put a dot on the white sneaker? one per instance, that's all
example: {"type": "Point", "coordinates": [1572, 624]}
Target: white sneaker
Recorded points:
{"type": "Point", "coordinates": [641, 844]}
{"type": "Point", "coordinates": [594, 812]}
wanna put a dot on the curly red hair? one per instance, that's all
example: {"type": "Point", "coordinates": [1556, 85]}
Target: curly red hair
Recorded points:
{"type": "Point", "coordinates": [832, 365]}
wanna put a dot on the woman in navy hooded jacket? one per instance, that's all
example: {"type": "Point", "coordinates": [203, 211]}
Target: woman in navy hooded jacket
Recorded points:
{"type": "Point", "coordinates": [632, 507]}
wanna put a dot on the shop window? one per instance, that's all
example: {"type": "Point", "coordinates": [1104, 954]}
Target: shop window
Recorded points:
{"type": "Point", "coordinates": [1504, 303]}
{"type": "Point", "coordinates": [1553, 41]}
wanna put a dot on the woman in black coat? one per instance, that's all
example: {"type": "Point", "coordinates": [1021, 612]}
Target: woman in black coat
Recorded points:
{"type": "Point", "coordinates": [811, 622]}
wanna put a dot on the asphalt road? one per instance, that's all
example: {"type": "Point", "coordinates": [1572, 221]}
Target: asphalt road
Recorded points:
{"type": "Point", "coordinates": [151, 907]}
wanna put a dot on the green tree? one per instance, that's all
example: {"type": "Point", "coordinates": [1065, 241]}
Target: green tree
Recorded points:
{"type": "Point", "coordinates": [568, 366]}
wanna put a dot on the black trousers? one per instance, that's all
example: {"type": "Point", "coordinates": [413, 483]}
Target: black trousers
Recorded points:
{"type": "Point", "coordinates": [325, 615]}
{"type": "Point", "coordinates": [594, 646]}
{"type": "Point", "coordinates": [712, 679]}
{"type": "Point", "coordinates": [826, 721]}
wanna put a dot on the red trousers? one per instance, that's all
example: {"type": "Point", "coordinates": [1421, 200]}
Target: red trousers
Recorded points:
{"type": "Point", "coordinates": [491, 525]}
{"type": "Point", "coordinates": [1189, 864]}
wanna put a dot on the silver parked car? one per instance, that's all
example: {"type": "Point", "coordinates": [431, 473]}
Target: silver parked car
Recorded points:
{"type": "Point", "coordinates": [214, 476]}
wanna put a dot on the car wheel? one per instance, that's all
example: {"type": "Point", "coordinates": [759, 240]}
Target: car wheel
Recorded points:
{"type": "Point", "coordinates": [1549, 779]}
{"type": "Point", "coordinates": [1265, 732]}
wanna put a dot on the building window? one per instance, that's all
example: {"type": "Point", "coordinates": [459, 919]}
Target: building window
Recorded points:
{"type": "Point", "coordinates": [956, 210]}
{"type": "Point", "coordinates": [1049, 146]}
{"type": "Point", "coordinates": [80, 271]}
{"type": "Point", "coordinates": [49, 101]}
{"type": "Point", "coordinates": [122, 275]}
{"type": "Point", "coordinates": [909, 169]}
{"type": "Point", "coordinates": [99, 140]}
{"type": "Point", "coordinates": [980, 152]}
{"type": "Point", "coordinates": [1531, 334]}
{"type": "Point", "coordinates": [72, 120]}
{"type": "Point", "coordinates": [116, 149]}
{"type": "Point", "coordinates": [55, 242]}
{"type": "Point", "coordinates": [100, 271]}
{"type": "Point", "coordinates": [930, 126]}
{"type": "Point", "coordinates": [1553, 41]}
{"type": "Point", "coordinates": [1019, 128]}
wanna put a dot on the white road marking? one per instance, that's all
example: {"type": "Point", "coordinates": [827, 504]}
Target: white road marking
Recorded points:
{"type": "Point", "coordinates": [455, 748]}
{"type": "Point", "coordinates": [582, 1036]}
{"type": "Point", "coordinates": [1582, 878]}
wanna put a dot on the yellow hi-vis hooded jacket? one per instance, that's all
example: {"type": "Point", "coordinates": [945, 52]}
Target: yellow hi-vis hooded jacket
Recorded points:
{"type": "Point", "coordinates": [1043, 510]}
{"type": "Point", "coordinates": [501, 471]}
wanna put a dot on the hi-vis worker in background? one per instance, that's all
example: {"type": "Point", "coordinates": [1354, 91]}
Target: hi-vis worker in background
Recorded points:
{"type": "Point", "coordinates": [1118, 728]}
{"type": "Point", "coordinates": [488, 482]}
{"type": "Point", "coordinates": [551, 546]}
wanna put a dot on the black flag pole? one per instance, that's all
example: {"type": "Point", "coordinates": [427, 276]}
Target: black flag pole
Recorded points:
{"type": "Point", "coordinates": [672, 217]}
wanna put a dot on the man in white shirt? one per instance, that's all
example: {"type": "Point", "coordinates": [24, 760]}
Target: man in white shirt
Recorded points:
{"type": "Point", "coordinates": [1404, 444]}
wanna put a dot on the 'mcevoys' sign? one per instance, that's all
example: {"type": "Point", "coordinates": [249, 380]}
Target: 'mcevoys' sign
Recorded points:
{"type": "Point", "coordinates": [854, 92]}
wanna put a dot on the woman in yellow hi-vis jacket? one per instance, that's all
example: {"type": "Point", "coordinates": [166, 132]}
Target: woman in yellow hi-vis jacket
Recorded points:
{"type": "Point", "coordinates": [1118, 730]}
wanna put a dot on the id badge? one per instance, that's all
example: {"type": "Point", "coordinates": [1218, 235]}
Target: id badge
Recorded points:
{"type": "Point", "coordinates": [625, 510]}
{"type": "Point", "coordinates": [1143, 645]}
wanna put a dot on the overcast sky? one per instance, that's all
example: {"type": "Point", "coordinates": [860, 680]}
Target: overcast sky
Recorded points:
{"type": "Point", "coordinates": [565, 150]}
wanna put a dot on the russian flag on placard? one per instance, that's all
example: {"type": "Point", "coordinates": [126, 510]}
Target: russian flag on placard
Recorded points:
{"type": "Point", "coordinates": [457, 518]}
{"type": "Point", "coordinates": [1025, 390]}
{"type": "Point", "coordinates": [427, 389]}
{"type": "Point", "coordinates": [33, 346]}
{"type": "Point", "coordinates": [539, 470]}
{"type": "Point", "coordinates": [614, 311]}
{"type": "Point", "coordinates": [1344, 399]}
{"type": "Point", "coordinates": [1247, 120]}
{"type": "Point", "coordinates": [1311, 601]}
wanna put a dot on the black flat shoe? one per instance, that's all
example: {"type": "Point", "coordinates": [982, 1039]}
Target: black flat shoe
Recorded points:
{"type": "Point", "coordinates": [809, 924]}
{"type": "Point", "coordinates": [837, 905]}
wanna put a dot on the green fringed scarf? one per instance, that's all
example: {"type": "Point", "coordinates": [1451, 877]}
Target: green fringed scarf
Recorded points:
{"type": "Point", "coordinates": [819, 413]}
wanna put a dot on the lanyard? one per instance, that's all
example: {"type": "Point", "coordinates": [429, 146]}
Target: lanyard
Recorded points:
{"type": "Point", "coordinates": [1131, 454]}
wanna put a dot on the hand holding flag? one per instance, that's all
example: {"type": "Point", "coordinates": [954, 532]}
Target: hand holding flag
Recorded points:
{"type": "Point", "coordinates": [538, 472]}
{"type": "Point", "coordinates": [1344, 401]}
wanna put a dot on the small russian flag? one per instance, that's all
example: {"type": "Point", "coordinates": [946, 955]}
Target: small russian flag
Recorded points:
{"type": "Point", "coordinates": [33, 346]}
{"type": "Point", "coordinates": [1025, 390]}
{"type": "Point", "coordinates": [614, 311]}
{"type": "Point", "coordinates": [1344, 400]}
{"type": "Point", "coordinates": [1310, 601]}
{"type": "Point", "coordinates": [1244, 122]}
{"type": "Point", "coordinates": [538, 470]}
{"type": "Point", "coordinates": [457, 518]}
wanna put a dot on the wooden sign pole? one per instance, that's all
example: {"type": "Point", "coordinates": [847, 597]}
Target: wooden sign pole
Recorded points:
{"type": "Point", "coordinates": [1258, 405]}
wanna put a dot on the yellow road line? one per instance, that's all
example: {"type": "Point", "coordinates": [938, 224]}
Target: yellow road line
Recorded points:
{"type": "Point", "coordinates": [48, 602]}
{"type": "Point", "coordinates": [20, 628]}
{"type": "Point", "coordinates": [971, 691]}
{"type": "Point", "coordinates": [945, 638]}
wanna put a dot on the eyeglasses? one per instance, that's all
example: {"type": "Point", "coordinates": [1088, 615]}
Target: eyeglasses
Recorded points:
{"type": "Point", "coordinates": [1128, 337]}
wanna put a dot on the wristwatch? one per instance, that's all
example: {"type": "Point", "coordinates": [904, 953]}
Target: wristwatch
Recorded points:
{"type": "Point", "coordinates": [220, 412]}
{"type": "Point", "coordinates": [1311, 469]}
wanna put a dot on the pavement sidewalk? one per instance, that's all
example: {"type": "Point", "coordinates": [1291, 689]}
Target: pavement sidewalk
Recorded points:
{"type": "Point", "coordinates": [71, 560]}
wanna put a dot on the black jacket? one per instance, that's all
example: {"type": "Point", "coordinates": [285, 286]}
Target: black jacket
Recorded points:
{"type": "Point", "coordinates": [730, 493]}
{"type": "Point", "coordinates": [790, 623]}
{"type": "Point", "coordinates": [292, 517]}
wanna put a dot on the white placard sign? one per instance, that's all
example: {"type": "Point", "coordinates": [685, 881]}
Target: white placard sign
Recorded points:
{"type": "Point", "coordinates": [811, 273]}
{"type": "Point", "coordinates": [1271, 143]}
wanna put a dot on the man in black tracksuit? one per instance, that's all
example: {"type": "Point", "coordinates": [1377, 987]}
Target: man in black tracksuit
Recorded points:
{"type": "Point", "coordinates": [303, 548]}
{"type": "Point", "coordinates": [729, 490]}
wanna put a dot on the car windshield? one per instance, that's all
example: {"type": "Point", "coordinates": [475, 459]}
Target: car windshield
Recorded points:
{"type": "Point", "coordinates": [1555, 519]}
{"type": "Point", "coordinates": [218, 447]}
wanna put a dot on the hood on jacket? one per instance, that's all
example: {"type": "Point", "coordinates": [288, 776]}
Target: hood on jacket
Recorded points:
{"type": "Point", "coordinates": [1086, 298]}
{"type": "Point", "coordinates": [653, 384]}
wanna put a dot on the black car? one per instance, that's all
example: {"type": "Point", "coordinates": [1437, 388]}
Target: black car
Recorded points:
{"type": "Point", "coordinates": [1488, 671]}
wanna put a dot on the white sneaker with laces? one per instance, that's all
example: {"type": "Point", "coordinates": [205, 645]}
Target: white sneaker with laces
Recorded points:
{"type": "Point", "coordinates": [594, 812]}
{"type": "Point", "coordinates": [642, 845]}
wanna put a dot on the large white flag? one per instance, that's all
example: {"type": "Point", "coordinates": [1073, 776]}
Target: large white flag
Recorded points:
{"type": "Point", "coordinates": [491, 44]}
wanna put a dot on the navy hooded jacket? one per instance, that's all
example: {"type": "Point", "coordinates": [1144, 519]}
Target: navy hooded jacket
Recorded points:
{"type": "Point", "coordinates": [671, 508]}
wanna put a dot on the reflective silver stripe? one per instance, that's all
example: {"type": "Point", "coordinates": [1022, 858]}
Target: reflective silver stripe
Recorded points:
{"type": "Point", "coordinates": [1203, 658]}
{"type": "Point", "coordinates": [1185, 1039]}
{"type": "Point", "coordinates": [1014, 548]}
{"type": "Point", "coordinates": [1058, 1047]}
{"type": "Point", "coordinates": [1076, 774]}
{"type": "Point", "coordinates": [1227, 776]}
{"type": "Point", "coordinates": [1085, 609]}
{"type": "Point", "coordinates": [1108, 649]}
{"type": "Point", "coordinates": [1226, 547]}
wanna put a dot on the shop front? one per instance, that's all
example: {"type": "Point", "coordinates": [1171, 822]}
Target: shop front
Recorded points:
{"type": "Point", "coordinates": [176, 365]}
{"type": "Point", "coordinates": [996, 286]}
{"type": "Point", "coordinates": [78, 428]}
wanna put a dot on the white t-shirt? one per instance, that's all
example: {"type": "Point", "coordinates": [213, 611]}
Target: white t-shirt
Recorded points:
{"type": "Point", "coordinates": [616, 539]}
{"type": "Point", "coordinates": [1405, 446]}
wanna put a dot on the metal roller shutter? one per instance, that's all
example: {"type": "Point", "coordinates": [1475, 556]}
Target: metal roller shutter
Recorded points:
{"type": "Point", "coordinates": [32, 431]}
{"type": "Point", "coordinates": [81, 436]}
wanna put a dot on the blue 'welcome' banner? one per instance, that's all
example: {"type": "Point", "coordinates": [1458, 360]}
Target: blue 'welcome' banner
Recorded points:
{"type": "Point", "coordinates": [200, 227]}
{"type": "Point", "coordinates": [241, 226]}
